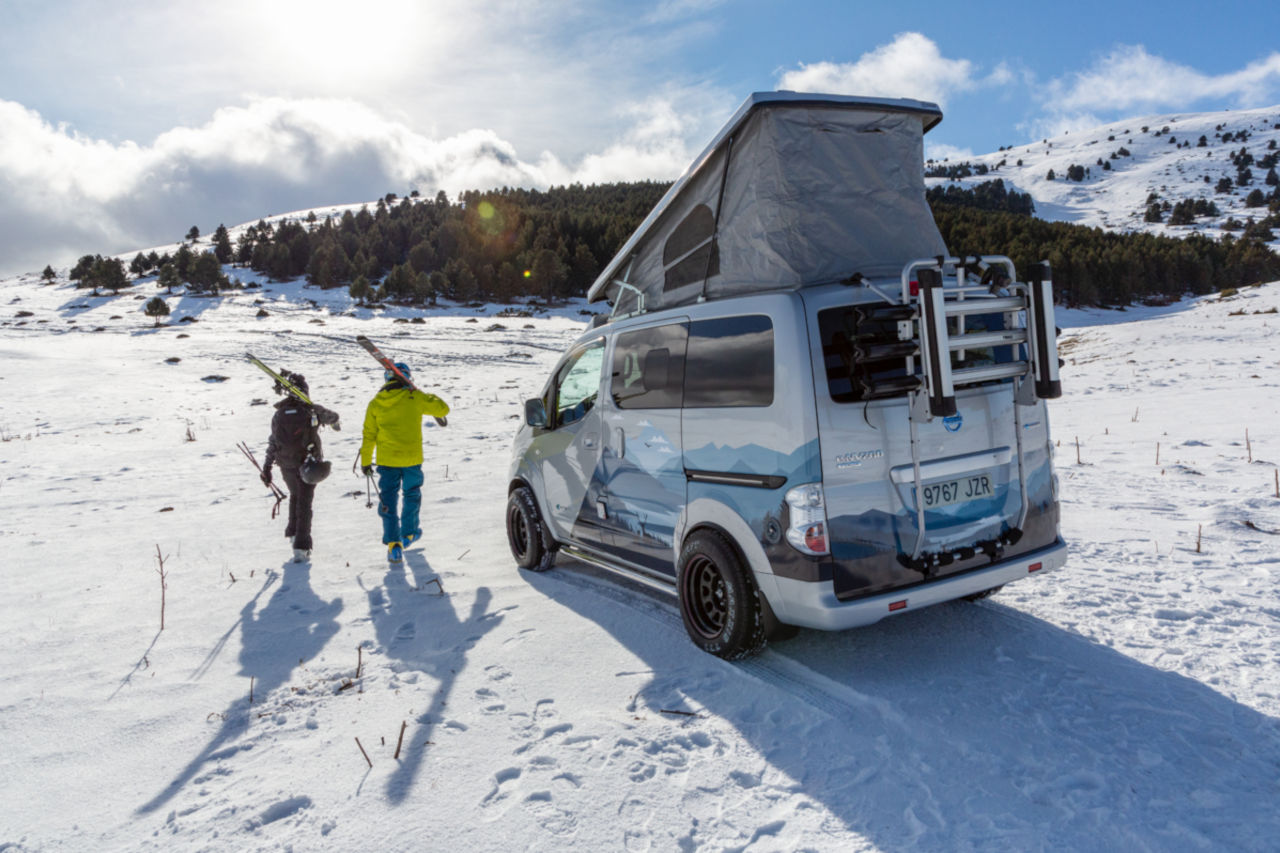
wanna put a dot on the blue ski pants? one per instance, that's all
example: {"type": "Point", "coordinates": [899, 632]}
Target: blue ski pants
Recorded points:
{"type": "Point", "coordinates": [399, 521]}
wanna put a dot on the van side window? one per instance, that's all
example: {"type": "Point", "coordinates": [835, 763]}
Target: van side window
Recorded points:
{"type": "Point", "coordinates": [729, 362]}
{"type": "Point", "coordinates": [578, 383]}
{"type": "Point", "coordinates": [648, 367]}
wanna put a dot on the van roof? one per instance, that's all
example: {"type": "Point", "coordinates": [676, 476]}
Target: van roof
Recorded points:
{"type": "Point", "coordinates": [798, 171]}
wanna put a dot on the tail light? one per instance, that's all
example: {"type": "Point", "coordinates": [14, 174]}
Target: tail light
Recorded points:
{"type": "Point", "coordinates": [807, 532]}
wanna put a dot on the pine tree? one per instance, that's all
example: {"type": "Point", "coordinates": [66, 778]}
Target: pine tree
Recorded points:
{"type": "Point", "coordinates": [169, 278]}
{"type": "Point", "coordinates": [222, 244]}
{"type": "Point", "coordinates": [206, 274]}
{"type": "Point", "coordinates": [157, 308]}
{"type": "Point", "coordinates": [360, 289]}
{"type": "Point", "coordinates": [49, 275]}
{"type": "Point", "coordinates": [193, 234]}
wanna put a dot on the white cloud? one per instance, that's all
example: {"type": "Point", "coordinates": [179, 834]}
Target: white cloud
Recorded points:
{"type": "Point", "coordinates": [911, 66]}
{"type": "Point", "coordinates": [942, 151]}
{"type": "Point", "coordinates": [1130, 79]}
{"type": "Point", "coordinates": [63, 194]}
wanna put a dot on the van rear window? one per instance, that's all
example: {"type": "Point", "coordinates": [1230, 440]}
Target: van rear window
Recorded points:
{"type": "Point", "coordinates": [853, 339]}
{"type": "Point", "coordinates": [729, 362]}
{"type": "Point", "coordinates": [865, 360]}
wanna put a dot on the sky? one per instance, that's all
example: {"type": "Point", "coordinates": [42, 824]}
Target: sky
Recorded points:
{"type": "Point", "coordinates": [123, 123]}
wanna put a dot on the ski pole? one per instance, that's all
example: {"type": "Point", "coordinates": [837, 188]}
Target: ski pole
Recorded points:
{"type": "Point", "coordinates": [276, 491]}
{"type": "Point", "coordinates": [369, 487]}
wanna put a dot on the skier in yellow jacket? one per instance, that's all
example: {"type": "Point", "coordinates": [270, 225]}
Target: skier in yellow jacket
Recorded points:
{"type": "Point", "coordinates": [393, 425]}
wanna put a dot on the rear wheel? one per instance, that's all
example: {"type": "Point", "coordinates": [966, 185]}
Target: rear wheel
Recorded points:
{"type": "Point", "coordinates": [526, 534]}
{"type": "Point", "coordinates": [718, 599]}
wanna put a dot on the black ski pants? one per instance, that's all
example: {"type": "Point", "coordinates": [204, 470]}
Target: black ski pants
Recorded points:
{"type": "Point", "coordinates": [300, 495]}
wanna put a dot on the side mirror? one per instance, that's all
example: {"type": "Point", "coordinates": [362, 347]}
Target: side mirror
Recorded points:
{"type": "Point", "coordinates": [535, 413]}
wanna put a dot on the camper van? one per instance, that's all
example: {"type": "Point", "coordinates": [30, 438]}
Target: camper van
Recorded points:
{"type": "Point", "coordinates": [800, 411]}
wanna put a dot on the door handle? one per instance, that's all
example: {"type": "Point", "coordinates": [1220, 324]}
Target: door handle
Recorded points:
{"type": "Point", "coordinates": [622, 443]}
{"type": "Point", "coordinates": [589, 441]}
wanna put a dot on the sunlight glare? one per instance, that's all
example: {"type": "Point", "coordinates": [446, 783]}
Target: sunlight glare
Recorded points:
{"type": "Point", "coordinates": [341, 43]}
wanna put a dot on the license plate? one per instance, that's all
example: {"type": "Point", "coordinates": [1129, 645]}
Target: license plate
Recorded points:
{"type": "Point", "coordinates": [957, 491]}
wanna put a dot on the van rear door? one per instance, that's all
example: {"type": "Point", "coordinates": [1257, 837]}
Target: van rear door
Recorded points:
{"type": "Point", "coordinates": [968, 462]}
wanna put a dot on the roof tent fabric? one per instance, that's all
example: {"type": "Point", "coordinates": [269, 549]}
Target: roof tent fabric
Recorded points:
{"type": "Point", "coordinates": [797, 190]}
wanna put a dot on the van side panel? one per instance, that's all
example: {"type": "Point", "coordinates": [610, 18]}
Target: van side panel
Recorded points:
{"type": "Point", "coordinates": [772, 447]}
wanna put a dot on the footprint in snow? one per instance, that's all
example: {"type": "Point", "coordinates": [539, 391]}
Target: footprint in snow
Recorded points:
{"type": "Point", "coordinates": [497, 802]}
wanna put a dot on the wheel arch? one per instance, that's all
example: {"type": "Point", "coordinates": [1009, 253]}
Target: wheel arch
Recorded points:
{"type": "Point", "coordinates": [710, 514]}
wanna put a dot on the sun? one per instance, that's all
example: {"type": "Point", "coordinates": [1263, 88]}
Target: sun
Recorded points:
{"type": "Point", "coordinates": [339, 44]}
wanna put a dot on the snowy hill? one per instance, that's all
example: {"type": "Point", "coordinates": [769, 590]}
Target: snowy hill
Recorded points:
{"type": "Point", "coordinates": [1129, 701]}
{"type": "Point", "coordinates": [1164, 159]}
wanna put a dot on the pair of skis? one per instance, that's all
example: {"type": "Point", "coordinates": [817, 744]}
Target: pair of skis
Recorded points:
{"type": "Point", "coordinates": [391, 365]}
{"type": "Point", "coordinates": [280, 380]}
{"type": "Point", "coordinates": [369, 346]}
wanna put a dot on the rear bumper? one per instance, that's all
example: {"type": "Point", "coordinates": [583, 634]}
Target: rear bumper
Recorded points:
{"type": "Point", "coordinates": [814, 605]}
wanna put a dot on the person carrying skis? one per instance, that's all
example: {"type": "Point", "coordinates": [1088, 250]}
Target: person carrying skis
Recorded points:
{"type": "Point", "coordinates": [295, 447]}
{"type": "Point", "coordinates": [393, 426]}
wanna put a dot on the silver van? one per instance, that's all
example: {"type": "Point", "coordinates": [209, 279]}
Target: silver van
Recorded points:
{"type": "Point", "coordinates": [801, 412]}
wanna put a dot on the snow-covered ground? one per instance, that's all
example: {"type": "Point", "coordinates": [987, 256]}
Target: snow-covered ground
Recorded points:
{"type": "Point", "coordinates": [1165, 159]}
{"type": "Point", "coordinates": [1127, 702]}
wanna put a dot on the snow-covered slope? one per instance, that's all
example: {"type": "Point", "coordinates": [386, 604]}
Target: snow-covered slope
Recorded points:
{"type": "Point", "coordinates": [1164, 159]}
{"type": "Point", "coordinates": [1130, 701]}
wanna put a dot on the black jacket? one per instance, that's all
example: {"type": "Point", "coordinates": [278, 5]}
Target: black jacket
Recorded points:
{"type": "Point", "coordinates": [295, 433]}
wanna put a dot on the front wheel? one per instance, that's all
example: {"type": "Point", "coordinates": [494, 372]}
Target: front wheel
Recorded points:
{"type": "Point", "coordinates": [526, 533]}
{"type": "Point", "coordinates": [718, 599]}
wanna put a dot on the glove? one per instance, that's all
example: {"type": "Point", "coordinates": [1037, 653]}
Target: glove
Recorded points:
{"type": "Point", "coordinates": [367, 470]}
{"type": "Point", "coordinates": [442, 421]}
{"type": "Point", "coordinates": [266, 476]}
{"type": "Point", "coordinates": [337, 427]}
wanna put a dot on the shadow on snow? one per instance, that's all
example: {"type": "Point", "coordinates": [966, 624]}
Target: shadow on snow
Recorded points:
{"type": "Point", "coordinates": [419, 632]}
{"type": "Point", "coordinates": [970, 724]}
{"type": "Point", "coordinates": [293, 627]}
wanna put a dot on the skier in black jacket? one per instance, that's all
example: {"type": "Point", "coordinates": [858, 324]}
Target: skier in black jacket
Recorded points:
{"type": "Point", "coordinates": [295, 447]}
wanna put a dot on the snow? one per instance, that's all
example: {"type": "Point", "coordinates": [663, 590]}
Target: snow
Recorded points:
{"type": "Point", "coordinates": [1117, 199]}
{"type": "Point", "coordinates": [1129, 701]}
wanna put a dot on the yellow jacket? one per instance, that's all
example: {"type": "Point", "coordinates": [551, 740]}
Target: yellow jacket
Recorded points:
{"type": "Point", "coordinates": [393, 424]}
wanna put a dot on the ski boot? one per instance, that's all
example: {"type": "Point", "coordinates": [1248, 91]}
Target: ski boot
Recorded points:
{"type": "Point", "coordinates": [300, 555]}
{"type": "Point", "coordinates": [410, 538]}
{"type": "Point", "coordinates": [395, 553]}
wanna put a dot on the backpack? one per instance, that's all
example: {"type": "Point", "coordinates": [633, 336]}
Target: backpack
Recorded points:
{"type": "Point", "coordinates": [294, 433]}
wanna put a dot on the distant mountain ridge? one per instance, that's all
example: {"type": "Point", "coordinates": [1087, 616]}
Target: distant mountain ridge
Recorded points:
{"type": "Point", "coordinates": [1127, 166]}
{"type": "Point", "coordinates": [1135, 210]}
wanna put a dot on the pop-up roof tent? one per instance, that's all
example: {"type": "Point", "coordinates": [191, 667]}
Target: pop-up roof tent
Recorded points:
{"type": "Point", "coordinates": [796, 190]}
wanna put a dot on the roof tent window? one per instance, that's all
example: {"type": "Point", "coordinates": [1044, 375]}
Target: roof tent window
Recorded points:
{"type": "Point", "coordinates": [729, 362]}
{"type": "Point", "coordinates": [690, 253]}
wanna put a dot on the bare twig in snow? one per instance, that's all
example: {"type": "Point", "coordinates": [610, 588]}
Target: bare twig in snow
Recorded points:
{"type": "Point", "coordinates": [403, 725]}
{"type": "Point", "coordinates": [365, 754]}
{"type": "Point", "coordinates": [163, 583]}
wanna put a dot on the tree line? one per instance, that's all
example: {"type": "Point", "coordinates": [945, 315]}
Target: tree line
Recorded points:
{"type": "Point", "coordinates": [1092, 266]}
{"type": "Point", "coordinates": [510, 244]}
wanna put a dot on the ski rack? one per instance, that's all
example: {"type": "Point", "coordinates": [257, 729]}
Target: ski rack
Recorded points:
{"type": "Point", "coordinates": [1029, 329]}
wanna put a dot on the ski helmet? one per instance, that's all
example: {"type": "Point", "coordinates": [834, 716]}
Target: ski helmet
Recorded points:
{"type": "Point", "coordinates": [314, 470]}
{"type": "Point", "coordinates": [388, 375]}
